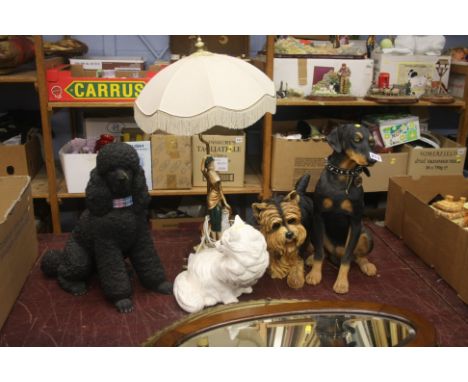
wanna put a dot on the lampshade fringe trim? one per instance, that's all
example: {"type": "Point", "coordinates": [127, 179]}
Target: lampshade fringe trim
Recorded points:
{"type": "Point", "coordinates": [217, 116]}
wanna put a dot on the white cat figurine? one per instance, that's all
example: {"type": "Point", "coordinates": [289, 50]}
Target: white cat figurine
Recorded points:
{"type": "Point", "coordinates": [223, 273]}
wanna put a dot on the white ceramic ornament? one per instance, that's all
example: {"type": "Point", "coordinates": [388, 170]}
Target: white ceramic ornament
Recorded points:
{"type": "Point", "coordinates": [429, 45]}
{"type": "Point", "coordinates": [223, 273]}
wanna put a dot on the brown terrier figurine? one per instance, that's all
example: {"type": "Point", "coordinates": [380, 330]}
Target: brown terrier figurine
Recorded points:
{"type": "Point", "coordinates": [279, 221]}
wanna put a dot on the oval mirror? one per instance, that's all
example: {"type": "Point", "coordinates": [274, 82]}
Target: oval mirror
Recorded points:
{"type": "Point", "coordinates": [291, 323]}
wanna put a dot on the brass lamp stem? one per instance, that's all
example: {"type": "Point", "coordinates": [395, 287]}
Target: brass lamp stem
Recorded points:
{"type": "Point", "coordinates": [200, 136]}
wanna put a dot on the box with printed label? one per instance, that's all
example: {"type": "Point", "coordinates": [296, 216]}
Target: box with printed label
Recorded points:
{"type": "Point", "coordinates": [449, 159]}
{"type": "Point", "coordinates": [227, 147]}
{"type": "Point", "coordinates": [292, 158]}
{"type": "Point", "coordinates": [143, 149]}
{"type": "Point", "coordinates": [421, 71]}
{"type": "Point", "coordinates": [393, 129]}
{"type": "Point", "coordinates": [392, 164]}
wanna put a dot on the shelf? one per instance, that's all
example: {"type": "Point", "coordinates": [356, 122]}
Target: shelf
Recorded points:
{"type": "Point", "coordinates": [61, 105]}
{"type": "Point", "coordinates": [280, 102]}
{"type": "Point", "coordinates": [29, 76]}
{"type": "Point", "coordinates": [362, 102]}
{"type": "Point", "coordinates": [26, 73]}
{"type": "Point", "coordinates": [40, 185]}
{"type": "Point", "coordinates": [252, 185]}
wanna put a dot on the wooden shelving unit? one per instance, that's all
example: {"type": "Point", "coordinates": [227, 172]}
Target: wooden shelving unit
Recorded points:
{"type": "Point", "coordinates": [40, 183]}
{"type": "Point", "coordinates": [96, 105]}
{"type": "Point", "coordinates": [49, 183]}
{"type": "Point", "coordinates": [40, 187]}
{"type": "Point", "coordinates": [362, 102]}
{"type": "Point", "coordinates": [460, 105]}
{"type": "Point", "coordinates": [463, 126]}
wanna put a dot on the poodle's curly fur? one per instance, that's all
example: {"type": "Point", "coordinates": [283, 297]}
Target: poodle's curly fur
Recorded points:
{"type": "Point", "coordinates": [105, 236]}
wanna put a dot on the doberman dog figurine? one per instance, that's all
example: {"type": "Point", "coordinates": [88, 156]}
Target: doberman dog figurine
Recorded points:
{"type": "Point", "coordinates": [339, 204]}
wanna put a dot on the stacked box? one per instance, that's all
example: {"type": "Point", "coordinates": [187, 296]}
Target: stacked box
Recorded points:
{"type": "Point", "coordinates": [228, 149]}
{"type": "Point", "coordinates": [18, 240]}
{"type": "Point", "coordinates": [25, 159]}
{"type": "Point", "coordinates": [172, 161]}
{"type": "Point", "coordinates": [449, 159]}
{"type": "Point", "coordinates": [441, 243]}
{"type": "Point", "coordinates": [293, 158]}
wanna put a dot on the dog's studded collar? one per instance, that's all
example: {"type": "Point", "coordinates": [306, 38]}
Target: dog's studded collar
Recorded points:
{"type": "Point", "coordinates": [354, 175]}
{"type": "Point", "coordinates": [341, 171]}
{"type": "Point", "coordinates": [122, 202]}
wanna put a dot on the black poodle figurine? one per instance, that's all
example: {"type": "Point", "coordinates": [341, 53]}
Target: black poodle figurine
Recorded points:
{"type": "Point", "coordinates": [114, 226]}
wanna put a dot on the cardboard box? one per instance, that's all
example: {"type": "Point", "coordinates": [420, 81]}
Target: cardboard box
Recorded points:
{"type": "Point", "coordinates": [393, 129]}
{"type": "Point", "coordinates": [80, 71]}
{"type": "Point", "coordinates": [18, 240]}
{"type": "Point", "coordinates": [143, 149]}
{"type": "Point", "coordinates": [174, 223]}
{"type": "Point", "coordinates": [228, 149]}
{"type": "Point", "coordinates": [233, 45]}
{"type": "Point", "coordinates": [77, 167]}
{"type": "Point", "coordinates": [419, 70]}
{"type": "Point", "coordinates": [439, 242]}
{"type": "Point", "coordinates": [108, 62]}
{"type": "Point", "coordinates": [393, 164]}
{"type": "Point", "coordinates": [457, 85]}
{"type": "Point", "coordinates": [23, 159]}
{"type": "Point", "coordinates": [172, 161]}
{"type": "Point", "coordinates": [134, 134]}
{"type": "Point", "coordinates": [448, 160]}
{"type": "Point", "coordinates": [293, 158]}
{"type": "Point", "coordinates": [301, 73]}
{"type": "Point", "coordinates": [95, 127]}
{"type": "Point", "coordinates": [158, 65]}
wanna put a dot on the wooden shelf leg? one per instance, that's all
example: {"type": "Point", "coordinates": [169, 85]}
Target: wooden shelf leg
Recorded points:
{"type": "Point", "coordinates": [463, 120]}
{"type": "Point", "coordinates": [47, 135]}
{"type": "Point", "coordinates": [462, 126]}
{"type": "Point", "coordinates": [266, 161]}
{"type": "Point", "coordinates": [267, 126]}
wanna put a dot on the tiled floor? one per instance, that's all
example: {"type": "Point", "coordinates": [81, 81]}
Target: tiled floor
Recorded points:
{"type": "Point", "coordinates": [44, 315]}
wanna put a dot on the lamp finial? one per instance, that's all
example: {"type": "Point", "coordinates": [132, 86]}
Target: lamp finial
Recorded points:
{"type": "Point", "coordinates": [200, 45]}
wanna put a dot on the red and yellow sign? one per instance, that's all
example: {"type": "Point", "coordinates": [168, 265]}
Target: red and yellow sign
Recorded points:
{"type": "Point", "coordinates": [62, 87]}
{"type": "Point", "coordinates": [93, 90]}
